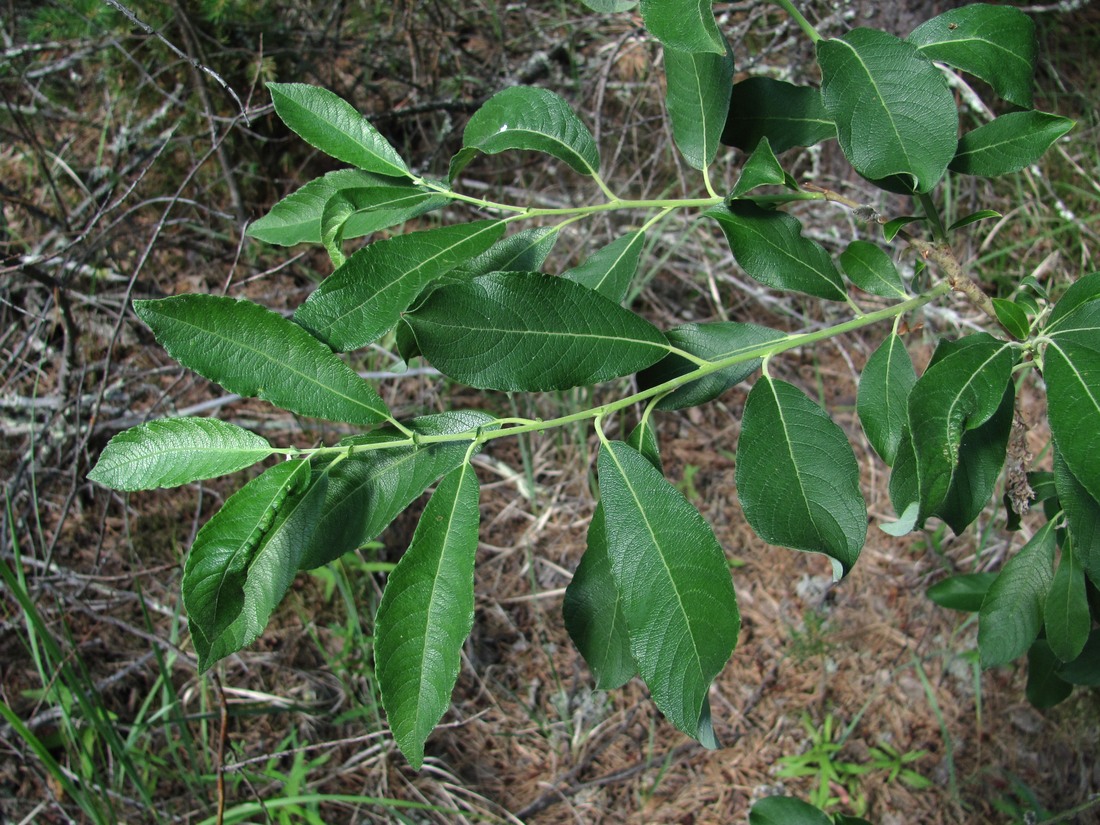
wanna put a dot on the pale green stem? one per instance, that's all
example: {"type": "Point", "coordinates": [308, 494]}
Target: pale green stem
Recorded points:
{"type": "Point", "coordinates": [482, 435]}
{"type": "Point", "coordinates": [707, 183]}
{"type": "Point", "coordinates": [798, 18]}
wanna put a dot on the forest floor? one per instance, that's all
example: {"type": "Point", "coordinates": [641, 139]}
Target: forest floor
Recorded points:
{"type": "Point", "coordinates": [126, 172]}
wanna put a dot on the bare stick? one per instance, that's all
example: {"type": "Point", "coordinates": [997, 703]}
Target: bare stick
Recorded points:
{"type": "Point", "coordinates": [145, 27]}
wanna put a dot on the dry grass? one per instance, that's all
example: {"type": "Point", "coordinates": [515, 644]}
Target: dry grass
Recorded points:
{"type": "Point", "coordinates": [527, 738]}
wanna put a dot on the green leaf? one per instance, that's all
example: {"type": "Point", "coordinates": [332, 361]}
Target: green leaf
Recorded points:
{"type": "Point", "coordinates": [175, 451]}
{"type": "Point", "coordinates": [761, 169]}
{"type": "Point", "coordinates": [965, 591]}
{"type": "Point", "coordinates": [297, 217]}
{"type": "Point", "coordinates": [592, 607]}
{"type": "Point", "coordinates": [770, 247]}
{"type": "Point", "coordinates": [1082, 517]}
{"type": "Point", "coordinates": [882, 402]}
{"type": "Point", "coordinates": [797, 477]}
{"type": "Point", "coordinates": [1045, 688]}
{"type": "Point", "coordinates": [426, 613]}
{"type": "Point", "coordinates": [974, 217]}
{"type": "Point", "coordinates": [1085, 669]}
{"type": "Point", "coordinates": [527, 117]}
{"type": "Point", "coordinates": [785, 810]}
{"type": "Point", "coordinates": [610, 6]}
{"type": "Point", "coordinates": [890, 229]}
{"type": "Point", "coordinates": [244, 559]}
{"type": "Point", "coordinates": [525, 251]}
{"type": "Point", "coordinates": [785, 114]}
{"type": "Point", "coordinates": [254, 352]}
{"type": "Point", "coordinates": [366, 296]}
{"type": "Point", "coordinates": [369, 488]}
{"type": "Point", "coordinates": [389, 205]}
{"type": "Point", "coordinates": [1012, 317]}
{"type": "Point", "coordinates": [714, 342]}
{"type": "Point", "coordinates": [994, 43]}
{"type": "Point", "coordinates": [529, 332]}
{"type": "Point", "coordinates": [609, 270]}
{"type": "Point", "coordinates": [698, 101]}
{"type": "Point", "coordinates": [1012, 613]}
{"type": "Point", "coordinates": [1072, 374]}
{"type": "Point", "coordinates": [869, 267]}
{"type": "Point", "coordinates": [594, 615]}
{"type": "Point", "coordinates": [981, 459]}
{"type": "Point", "coordinates": [687, 25]}
{"type": "Point", "coordinates": [893, 111]}
{"type": "Point", "coordinates": [331, 124]}
{"type": "Point", "coordinates": [1066, 613]}
{"type": "Point", "coordinates": [1084, 290]}
{"type": "Point", "coordinates": [676, 591]}
{"type": "Point", "coordinates": [961, 389]}
{"type": "Point", "coordinates": [1008, 143]}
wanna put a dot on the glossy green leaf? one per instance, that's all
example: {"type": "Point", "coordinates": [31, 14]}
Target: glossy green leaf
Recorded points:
{"type": "Point", "coordinates": [175, 451]}
{"type": "Point", "coordinates": [610, 269]}
{"type": "Point", "coordinates": [974, 217]}
{"type": "Point", "coordinates": [1080, 326]}
{"type": "Point", "coordinates": [1085, 669]}
{"type": "Point", "coordinates": [699, 84]}
{"type": "Point", "coordinates": [882, 401]}
{"type": "Point", "coordinates": [527, 117]}
{"type": "Point", "coordinates": [676, 591]}
{"type": "Point", "coordinates": [1012, 613]}
{"type": "Point", "coordinates": [594, 615]}
{"type": "Point", "coordinates": [331, 124]}
{"type": "Point", "coordinates": [297, 217]}
{"type": "Point", "coordinates": [891, 228]}
{"type": "Point", "coordinates": [253, 351]}
{"type": "Point", "coordinates": [770, 247]}
{"type": "Point", "coordinates": [797, 477]}
{"type": "Point", "coordinates": [1012, 317]}
{"type": "Point", "coordinates": [1084, 290]}
{"type": "Point", "coordinates": [981, 459]}
{"type": "Point", "coordinates": [525, 251]}
{"type": "Point", "coordinates": [893, 111]}
{"type": "Point", "coordinates": [525, 331]}
{"type": "Point", "coordinates": [389, 205]}
{"type": "Point", "coordinates": [965, 591]}
{"type": "Point", "coordinates": [592, 608]}
{"type": "Point", "coordinates": [871, 268]}
{"type": "Point", "coordinates": [369, 488]}
{"type": "Point", "coordinates": [365, 297]}
{"type": "Point", "coordinates": [1008, 143]}
{"type": "Point", "coordinates": [687, 25]}
{"type": "Point", "coordinates": [714, 342]}
{"type": "Point", "coordinates": [761, 169]}
{"type": "Point", "coordinates": [1066, 613]}
{"type": "Point", "coordinates": [786, 810]}
{"type": "Point", "coordinates": [426, 613]}
{"type": "Point", "coordinates": [245, 557]}
{"type": "Point", "coordinates": [1045, 688]}
{"type": "Point", "coordinates": [1072, 374]}
{"type": "Point", "coordinates": [1082, 517]}
{"type": "Point", "coordinates": [961, 390]}
{"type": "Point", "coordinates": [993, 43]}
{"type": "Point", "coordinates": [785, 114]}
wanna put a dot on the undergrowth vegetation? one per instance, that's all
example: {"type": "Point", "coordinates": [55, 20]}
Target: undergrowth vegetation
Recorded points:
{"type": "Point", "coordinates": [636, 263]}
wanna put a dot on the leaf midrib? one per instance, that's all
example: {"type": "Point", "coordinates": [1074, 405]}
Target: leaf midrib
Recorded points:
{"type": "Point", "coordinates": [668, 571]}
